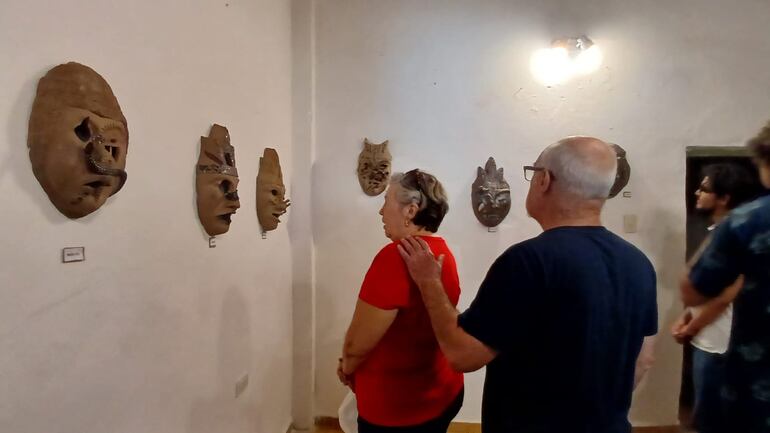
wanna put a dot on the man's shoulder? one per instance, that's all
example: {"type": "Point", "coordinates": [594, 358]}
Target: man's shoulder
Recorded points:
{"type": "Point", "coordinates": [755, 211]}
{"type": "Point", "coordinates": [624, 244]}
{"type": "Point", "coordinates": [630, 251]}
{"type": "Point", "coordinates": [564, 241]}
{"type": "Point", "coordinates": [519, 248]}
{"type": "Point", "coordinates": [598, 238]}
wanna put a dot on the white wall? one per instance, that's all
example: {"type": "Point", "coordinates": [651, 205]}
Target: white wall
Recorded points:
{"type": "Point", "coordinates": [447, 82]}
{"type": "Point", "coordinates": [301, 221]}
{"type": "Point", "coordinates": [151, 333]}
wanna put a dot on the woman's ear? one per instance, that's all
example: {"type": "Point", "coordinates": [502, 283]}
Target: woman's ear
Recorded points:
{"type": "Point", "coordinates": [410, 211]}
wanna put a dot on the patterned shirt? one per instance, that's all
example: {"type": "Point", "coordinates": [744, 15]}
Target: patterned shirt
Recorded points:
{"type": "Point", "coordinates": [741, 245]}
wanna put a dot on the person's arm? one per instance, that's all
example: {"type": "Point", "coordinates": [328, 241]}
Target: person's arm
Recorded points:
{"type": "Point", "coordinates": [714, 308]}
{"type": "Point", "coordinates": [690, 296]}
{"type": "Point", "coordinates": [368, 326]}
{"type": "Point", "coordinates": [719, 265]}
{"type": "Point", "coordinates": [645, 360]}
{"type": "Point", "coordinates": [464, 352]}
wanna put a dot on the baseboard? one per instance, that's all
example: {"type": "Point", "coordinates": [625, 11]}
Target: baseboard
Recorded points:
{"type": "Point", "coordinates": [464, 427]}
{"type": "Point", "coordinates": [327, 422]}
{"type": "Point", "coordinates": [331, 423]}
{"type": "Point", "coordinates": [293, 429]}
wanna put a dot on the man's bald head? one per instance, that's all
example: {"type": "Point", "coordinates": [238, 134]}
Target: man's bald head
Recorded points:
{"type": "Point", "coordinates": [583, 167]}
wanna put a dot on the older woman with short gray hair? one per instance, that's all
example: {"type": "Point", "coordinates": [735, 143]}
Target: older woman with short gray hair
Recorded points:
{"type": "Point", "coordinates": [391, 358]}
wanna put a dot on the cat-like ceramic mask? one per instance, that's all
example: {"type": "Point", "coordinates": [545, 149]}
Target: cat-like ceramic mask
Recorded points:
{"type": "Point", "coordinates": [374, 167]}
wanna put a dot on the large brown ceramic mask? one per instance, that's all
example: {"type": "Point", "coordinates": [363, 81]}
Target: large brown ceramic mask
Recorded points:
{"type": "Point", "coordinates": [271, 193]}
{"type": "Point", "coordinates": [490, 195]}
{"type": "Point", "coordinates": [374, 167]}
{"type": "Point", "coordinates": [78, 139]}
{"type": "Point", "coordinates": [624, 171]}
{"type": "Point", "coordinates": [216, 182]}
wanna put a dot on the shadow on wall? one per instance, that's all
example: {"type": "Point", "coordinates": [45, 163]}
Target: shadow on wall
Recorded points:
{"type": "Point", "coordinates": [17, 161]}
{"type": "Point", "coordinates": [670, 267]}
{"type": "Point", "coordinates": [211, 414]}
{"type": "Point", "coordinates": [196, 144]}
{"type": "Point", "coordinates": [670, 262]}
{"type": "Point", "coordinates": [330, 333]}
{"type": "Point", "coordinates": [670, 250]}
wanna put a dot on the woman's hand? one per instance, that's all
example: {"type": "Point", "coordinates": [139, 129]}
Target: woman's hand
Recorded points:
{"type": "Point", "coordinates": [344, 379]}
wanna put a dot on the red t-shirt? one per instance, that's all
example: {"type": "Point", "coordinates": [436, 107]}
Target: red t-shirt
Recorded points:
{"type": "Point", "coordinates": [406, 380]}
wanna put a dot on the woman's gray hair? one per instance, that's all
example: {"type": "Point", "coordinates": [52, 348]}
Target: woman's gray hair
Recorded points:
{"type": "Point", "coordinates": [425, 191]}
{"type": "Point", "coordinates": [579, 172]}
{"type": "Point", "coordinates": [407, 194]}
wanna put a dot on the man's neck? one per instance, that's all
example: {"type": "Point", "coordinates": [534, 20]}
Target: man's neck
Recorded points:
{"type": "Point", "coordinates": [718, 215]}
{"type": "Point", "coordinates": [568, 211]}
{"type": "Point", "coordinates": [554, 221]}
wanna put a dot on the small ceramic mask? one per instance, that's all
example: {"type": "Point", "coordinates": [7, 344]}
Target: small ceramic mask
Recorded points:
{"type": "Point", "coordinates": [374, 167]}
{"type": "Point", "coordinates": [216, 182]}
{"type": "Point", "coordinates": [271, 193]}
{"type": "Point", "coordinates": [624, 171]}
{"type": "Point", "coordinates": [490, 195]}
{"type": "Point", "coordinates": [78, 139]}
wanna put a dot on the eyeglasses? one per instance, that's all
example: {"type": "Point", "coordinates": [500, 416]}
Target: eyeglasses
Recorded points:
{"type": "Point", "coordinates": [530, 170]}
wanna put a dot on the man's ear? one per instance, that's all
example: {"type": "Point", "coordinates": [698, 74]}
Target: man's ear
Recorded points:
{"type": "Point", "coordinates": [546, 181]}
{"type": "Point", "coordinates": [724, 200]}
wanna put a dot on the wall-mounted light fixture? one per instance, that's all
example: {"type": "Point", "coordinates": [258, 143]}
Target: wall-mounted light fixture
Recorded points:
{"type": "Point", "coordinates": [565, 58]}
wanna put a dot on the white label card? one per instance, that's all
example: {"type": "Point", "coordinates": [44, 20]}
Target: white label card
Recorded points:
{"type": "Point", "coordinates": [73, 254]}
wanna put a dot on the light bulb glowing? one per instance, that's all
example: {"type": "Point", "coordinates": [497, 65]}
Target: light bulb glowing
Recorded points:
{"type": "Point", "coordinates": [588, 61]}
{"type": "Point", "coordinates": [565, 59]}
{"type": "Point", "coordinates": [551, 66]}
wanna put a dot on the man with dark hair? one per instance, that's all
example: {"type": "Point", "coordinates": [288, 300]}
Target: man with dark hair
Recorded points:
{"type": "Point", "coordinates": [741, 246]}
{"type": "Point", "coordinates": [707, 327]}
{"type": "Point", "coordinates": [731, 184]}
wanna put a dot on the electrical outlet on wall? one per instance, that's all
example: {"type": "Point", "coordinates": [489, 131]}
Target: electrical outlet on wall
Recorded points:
{"type": "Point", "coordinates": [630, 223]}
{"type": "Point", "coordinates": [241, 385]}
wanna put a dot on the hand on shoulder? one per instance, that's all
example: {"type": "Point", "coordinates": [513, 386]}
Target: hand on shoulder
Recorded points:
{"type": "Point", "coordinates": [423, 266]}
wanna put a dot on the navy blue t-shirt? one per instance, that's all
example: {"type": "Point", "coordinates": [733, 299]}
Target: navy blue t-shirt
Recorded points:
{"type": "Point", "coordinates": [567, 312]}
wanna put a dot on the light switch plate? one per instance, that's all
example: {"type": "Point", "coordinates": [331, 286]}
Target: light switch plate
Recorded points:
{"type": "Point", "coordinates": [630, 223]}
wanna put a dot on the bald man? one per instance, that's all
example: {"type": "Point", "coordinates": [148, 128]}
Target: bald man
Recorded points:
{"type": "Point", "coordinates": [564, 321]}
